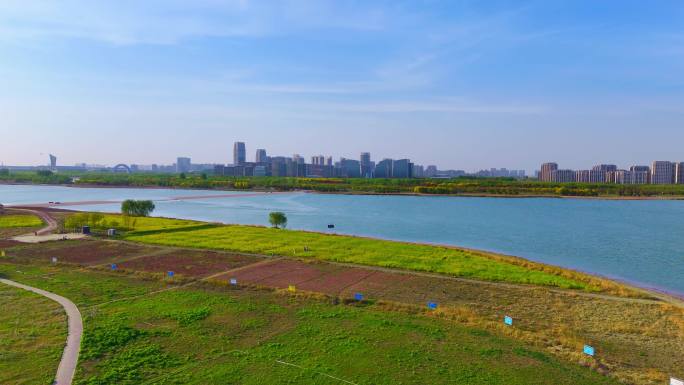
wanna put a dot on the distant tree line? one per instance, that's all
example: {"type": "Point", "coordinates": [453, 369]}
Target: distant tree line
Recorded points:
{"type": "Point", "coordinates": [454, 186]}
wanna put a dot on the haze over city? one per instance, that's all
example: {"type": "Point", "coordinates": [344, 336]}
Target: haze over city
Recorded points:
{"type": "Point", "coordinates": [458, 84]}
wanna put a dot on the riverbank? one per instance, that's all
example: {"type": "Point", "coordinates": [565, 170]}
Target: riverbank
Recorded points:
{"type": "Point", "coordinates": [415, 256]}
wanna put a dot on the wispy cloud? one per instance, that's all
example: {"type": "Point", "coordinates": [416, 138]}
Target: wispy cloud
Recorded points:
{"type": "Point", "coordinates": [438, 106]}
{"type": "Point", "coordinates": [171, 21]}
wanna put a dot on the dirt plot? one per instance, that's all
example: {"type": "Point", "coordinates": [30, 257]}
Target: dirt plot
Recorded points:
{"type": "Point", "coordinates": [191, 263]}
{"type": "Point", "coordinates": [7, 233]}
{"type": "Point", "coordinates": [5, 243]}
{"type": "Point", "coordinates": [318, 277]}
{"type": "Point", "coordinates": [84, 252]}
{"type": "Point", "coordinates": [336, 281]}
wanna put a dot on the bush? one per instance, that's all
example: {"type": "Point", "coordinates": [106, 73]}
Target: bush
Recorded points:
{"type": "Point", "coordinates": [277, 219]}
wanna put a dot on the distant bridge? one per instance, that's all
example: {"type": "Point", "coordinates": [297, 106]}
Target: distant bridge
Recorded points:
{"type": "Point", "coordinates": [122, 168]}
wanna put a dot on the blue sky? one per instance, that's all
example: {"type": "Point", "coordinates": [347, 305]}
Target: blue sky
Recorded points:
{"type": "Point", "coordinates": [460, 84]}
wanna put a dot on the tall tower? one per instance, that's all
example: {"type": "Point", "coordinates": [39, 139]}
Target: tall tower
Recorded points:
{"type": "Point", "coordinates": [546, 170]}
{"type": "Point", "coordinates": [261, 156]}
{"type": "Point", "coordinates": [366, 166]}
{"type": "Point", "coordinates": [239, 153]}
{"type": "Point", "coordinates": [53, 162]}
{"type": "Point", "coordinates": [662, 172]}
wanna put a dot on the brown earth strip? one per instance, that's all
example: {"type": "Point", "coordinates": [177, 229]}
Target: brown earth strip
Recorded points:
{"type": "Point", "coordinates": [83, 252]}
{"type": "Point", "coordinates": [195, 263]}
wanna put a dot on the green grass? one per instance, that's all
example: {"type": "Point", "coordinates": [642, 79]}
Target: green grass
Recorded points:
{"type": "Point", "coordinates": [152, 223]}
{"type": "Point", "coordinates": [32, 335]}
{"type": "Point", "coordinates": [205, 335]}
{"type": "Point", "coordinates": [13, 221]}
{"type": "Point", "coordinates": [267, 241]}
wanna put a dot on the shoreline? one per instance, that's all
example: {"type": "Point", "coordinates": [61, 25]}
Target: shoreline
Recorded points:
{"type": "Point", "coordinates": [370, 193]}
{"type": "Point", "coordinates": [652, 291]}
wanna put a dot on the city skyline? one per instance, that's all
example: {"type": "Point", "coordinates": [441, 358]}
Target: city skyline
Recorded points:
{"type": "Point", "coordinates": [463, 85]}
{"type": "Point", "coordinates": [263, 164]}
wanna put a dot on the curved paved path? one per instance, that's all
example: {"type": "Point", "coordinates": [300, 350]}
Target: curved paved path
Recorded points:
{"type": "Point", "coordinates": [67, 367]}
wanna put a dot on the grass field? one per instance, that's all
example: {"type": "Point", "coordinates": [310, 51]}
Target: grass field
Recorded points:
{"type": "Point", "coordinates": [208, 335]}
{"type": "Point", "coordinates": [365, 251]}
{"type": "Point", "coordinates": [32, 335]}
{"type": "Point", "coordinates": [14, 221]}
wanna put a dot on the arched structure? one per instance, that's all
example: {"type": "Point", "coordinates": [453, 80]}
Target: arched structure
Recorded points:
{"type": "Point", "coordinates": [122, 168]}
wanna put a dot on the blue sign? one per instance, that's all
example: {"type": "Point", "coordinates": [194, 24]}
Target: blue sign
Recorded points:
{"type": "Point", "coordinates": [589, 350]}
{"type": "Point", "coordinates": [358, 297]}
{"type": "Point", "coordinates": [432, 305]}
{"type": "Point", "coordinates": [508, 320]}
{"type": "Point", "coordinates": [113, 266]}
{"type": "Point", "coordinates": [233, 281]}
{"type": "Point", "coordinates": [170, 273]}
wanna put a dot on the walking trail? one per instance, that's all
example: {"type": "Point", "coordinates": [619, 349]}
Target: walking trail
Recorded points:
{"type": "Point", "coordinates": [46, 233]}
{"type": "Point", "coordinates": [67, 367]}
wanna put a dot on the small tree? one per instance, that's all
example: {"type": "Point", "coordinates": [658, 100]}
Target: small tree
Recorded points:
{"type": "Point", "coordinates": [277, 219]}
{"type": "Point", "coordinates": [135, 208]}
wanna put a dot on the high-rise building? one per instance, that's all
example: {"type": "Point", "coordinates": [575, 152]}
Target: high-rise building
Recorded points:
{"type": "Point", "coordinates": [418, 171]}
{"type": "Point", "coordinates": [640, 168]}
{"type": "Point", "coordinates": [349, 168]}
{"type": "Point", "coordinates": [329, 161]}
{"type": "Point", "coordinates": [239, 153]}
{"type": "Point", "coordinates": [639, 175]}
{"type": "Point", "coordinates": [53, 162]}
{"type": "Point", "coordinates": [663, 172]}
{"type": "Point", "coordinates": [679, 173]}
{"type": "Point", "coordinates": [183, 165]}
{"type": "Point", "coordinates": [318, 160]}
{"type": "Point", "coordinates": [384, 168]}
{"type": "Point", "coordinates": [605, 167]}
{"type": "Point", "coordinates": [260, 170]}
{"type": "Point", "coordinates": [582, 176]}
{"type": "Point", "coordinates": [603, 173]}
{"type": "Point", "coordinates": [261, 156]}
{"type": "Point", "coordinates": [546, 170]}
{"type": "Point", "coordinates": [402, 168]}
{"type": "Point", "coordinates": [319, 171]}
{"type": "Point", "coordinates": [620, 177]}
{"type": "Point", "coordinates": [562, 176]}
{"type": "Point", "coordinates": [278, 166]}
{"type": "Point", "coordinates": [366, 165]}
{"type": "Point", "coordinates": [431, 171]}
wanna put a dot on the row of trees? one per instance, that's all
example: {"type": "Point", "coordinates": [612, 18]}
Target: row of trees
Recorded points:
{"type": "Point", "coordinates": [455, 186]}
{"type": "Point", "coordinates": [38, 177]}
{"type": "Point", "coordinates": [462, 185]}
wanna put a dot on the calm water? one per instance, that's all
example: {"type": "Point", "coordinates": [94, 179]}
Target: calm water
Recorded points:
{"type": "Point", "coordinates": [638, 241]}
